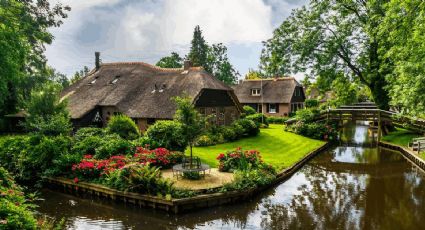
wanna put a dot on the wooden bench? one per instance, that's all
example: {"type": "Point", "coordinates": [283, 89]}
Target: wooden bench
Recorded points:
{"type": "Point", "coordinates": [417, 144]}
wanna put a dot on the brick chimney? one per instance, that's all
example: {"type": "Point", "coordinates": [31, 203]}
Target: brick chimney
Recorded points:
{"type": "Point", "coordinates": [97, 60]}
{"type": "Point", "coordinates": [187, 64]}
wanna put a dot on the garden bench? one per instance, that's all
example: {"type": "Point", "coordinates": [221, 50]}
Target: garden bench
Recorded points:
{"type": "Point", "coordinates": [417, 144]}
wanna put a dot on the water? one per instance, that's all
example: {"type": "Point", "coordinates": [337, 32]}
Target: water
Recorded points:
{"type": "Point", "coordinates": [352, 186]}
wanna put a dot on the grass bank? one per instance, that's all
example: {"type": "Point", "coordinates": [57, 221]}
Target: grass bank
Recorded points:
{"type": "Point", "coordinates": [400, 137]}
{"type": "Point", "coordinates": [277, 147]}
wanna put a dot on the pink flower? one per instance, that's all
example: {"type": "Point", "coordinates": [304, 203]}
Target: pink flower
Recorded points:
{"type": "Point", "coordinates": [76, 180]}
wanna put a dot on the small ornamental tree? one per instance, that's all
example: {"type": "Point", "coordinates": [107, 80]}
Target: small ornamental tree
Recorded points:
{"type": "Point", "coordinates": [193, 123]}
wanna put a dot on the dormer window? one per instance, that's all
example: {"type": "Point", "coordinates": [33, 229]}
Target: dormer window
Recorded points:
{"type": "Point", "coordinates": [94, 80]}
{"type": "Point", "coordinates": [162, 88]}
{"type": "Point", "coordinates": [115, 80]}
{"type": "Point", "coordinates": [255, 92]}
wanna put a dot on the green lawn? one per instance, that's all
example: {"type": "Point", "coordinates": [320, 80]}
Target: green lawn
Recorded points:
{"type": "Point", "coordinates": [400, 137]}
{"type": "Point", "coordinates": [279, 148]}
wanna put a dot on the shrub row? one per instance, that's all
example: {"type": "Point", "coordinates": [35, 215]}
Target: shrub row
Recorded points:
{"type": "Point", "coordinates": [315, 130]}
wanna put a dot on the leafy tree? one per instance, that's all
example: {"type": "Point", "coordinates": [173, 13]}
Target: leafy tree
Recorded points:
{"type": "Point", "coordinates": [192, 122]}
{"type": "Point", "coordinates": [253, 74]}
{"type": "Point", "coordinates": [80, 74]}
{"type": "Point", "coordinates": [219, 64]}
{"type": "Point", "coordinates": [47, 113]}
{"type": "Point", "coordinates": [60, 78]}
{"type": "Point", "coordinates": [344, 90]}
{"type": "Point", "coordinates": [172, 61]}
{"type": "Point", "coordinates": [212, 58]}
{"type": "Point", "coordinates": [198, 54]}
{"type": "Point", "coordinates": [329, 37]}
{"type": "Point", "coordinates": [24, 32]}
{"type": "Point", "coordinates": [404, 28]}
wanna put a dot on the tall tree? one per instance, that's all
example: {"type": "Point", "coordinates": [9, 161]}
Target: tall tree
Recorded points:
{"type": "Point", "coordinates": [172, 61]}
{"type": "Point", "coordinates": [331, 36]}
{"type": "Point", "coordinates": [219, 64]}
{"type": "Point", "coordinates": [404, 28]}
{"type": "Point", "coordinates": [24, 32]}
{"type": "Point", "coordinates": [80, 74]}
{"type": "Point", "coordinates": [253, 74]}
{"type": "Point", "coordinates": [198, 53]}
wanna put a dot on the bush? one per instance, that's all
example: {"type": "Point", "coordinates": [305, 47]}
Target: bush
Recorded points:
{"type": "Point", "coordinates": [314, 130]}
{"type": "Point", "coordinates": [89, 132]}
{"type": "Point", "coordinates": [167, 134]}
{"type": "Point", "coordinates": [114, 145]}
{"type": "Point", "coordinates": [15, 211]}
{"type": "Point", "coordinates": [204, 140]}
{"type": "Point", "coordinates": [93, 169]}
{"type": "Point", "coordinates": [246, 127]}
{"type": "Point", "coordinates": [277, 120]}
{"type": "Point", "coordinates": [124, 127]}
{"type": "Point", "coordinates": [307, 115]}
{"type": "Point", "coordinates": [88, 145]}
{"type": "Point", "coordinates": [259, 119]}
{"type": "Point", "coordinates": [242, 160]}
{"type": "Point", "coordinates": [229, 134]}
{"type": "Point", "coordinates": [248, 110]}
{"type": "Point", "coordinates": [139, 178]}
{"type": "Point", "coordinates": [311, 103]}
{"type": "Point", "coordinates": [54, 125]}
{"type": "Point", "coordinates": [11, 149]}
{"type": "Point", "coordinates": [249, 179]}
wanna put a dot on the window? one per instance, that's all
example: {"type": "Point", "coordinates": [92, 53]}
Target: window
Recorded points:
{"type": "Point", "coordinates": [202, 111]}
{"type": "Point", "coordinates": [115, 80]}
{"type": "Point", "coordinates": [255, 92]}
{"type": "Point", "coordinates": [272, 108]}
{"type": "Point", "coordinates": [93, 81]}
{"type": "Point", "coordinates": [150, 121]}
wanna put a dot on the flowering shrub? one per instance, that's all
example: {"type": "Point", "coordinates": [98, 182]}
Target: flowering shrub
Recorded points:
{"type": "Point", "coordinates": [314, 130]}
{"type": "Point", "coordinates": [90, 168]}
{"type": "Point", "coordinates": [160, 157]}
{"type": "Point", "coordinates": [242, 160]}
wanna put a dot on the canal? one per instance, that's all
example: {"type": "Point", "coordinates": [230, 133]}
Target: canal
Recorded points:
{"type": "Point", "coordinates": [355, 185]}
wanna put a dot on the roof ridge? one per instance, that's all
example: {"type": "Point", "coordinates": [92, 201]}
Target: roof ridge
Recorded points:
{"type": "Point", "coordinates": [144, 64]}
{"type": "Point", "coordinates": [271, 79]}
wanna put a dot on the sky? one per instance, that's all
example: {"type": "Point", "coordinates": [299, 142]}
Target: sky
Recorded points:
{"type": "Point", "coordinates": [146, 30]}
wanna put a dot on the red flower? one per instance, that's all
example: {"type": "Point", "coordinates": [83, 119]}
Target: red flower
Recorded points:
{"type": "Point", "coordinates": [76, 180]}
{"type": "Point", "coordinates": [220, 156]}
{"type": "Point", "coordinates": [88, 156]}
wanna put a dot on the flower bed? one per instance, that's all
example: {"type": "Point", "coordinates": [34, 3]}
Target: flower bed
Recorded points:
{"type": "Point", "coordinates": [242, 160]}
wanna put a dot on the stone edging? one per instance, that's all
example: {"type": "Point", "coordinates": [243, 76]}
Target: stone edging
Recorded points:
{"type": "Point", "coordinates": [405, 152]}
{"type": "Point", "coordinates": [175, 205]}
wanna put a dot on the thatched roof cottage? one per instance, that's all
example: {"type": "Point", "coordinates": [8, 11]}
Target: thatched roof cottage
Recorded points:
{"type": "Point", "coordinates": [144, 92]}
{"type": "Point", "coordinates": [273, 97]}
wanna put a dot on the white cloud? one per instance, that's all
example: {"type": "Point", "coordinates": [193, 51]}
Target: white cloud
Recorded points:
{"type": "Point", "coordinates": [124, 30]}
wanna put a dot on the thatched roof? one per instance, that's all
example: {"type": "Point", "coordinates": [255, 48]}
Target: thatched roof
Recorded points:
{"type": "Point", "coordinates": [132, 94]}
{"type": "Point", "coordinates": [276, 90]}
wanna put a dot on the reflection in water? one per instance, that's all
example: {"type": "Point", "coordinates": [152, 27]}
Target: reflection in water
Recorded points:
{"type": "Point", "coordinates": [352, 186]}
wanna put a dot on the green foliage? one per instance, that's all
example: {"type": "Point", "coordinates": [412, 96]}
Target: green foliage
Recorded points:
{"type": "Point", "coordinates": [259, 119]}
{"type": "Point", "coordinates": [88, 145]}
{"type": "Point", "coordinates": [24, 31]}
{"type": "Point", "coordinates": [139, 178]}
{"type": "Point", "coordinates": [167, 134]}
{"type": "Point", "coordinates": [15, 211]}
{"type": "Point", "coordinates": [48, 115]}
{"type": "Point", "coordinates": [83, 133]}
{"type": "Point", "coordinates": [307, 115]}
{"type": "Point", "coordinates": [329, 37]}
{"type": "Point", "coordinates": [404, 29]}
{"type": "Point", "coordinates": [204, 140]}
{"type": "Point", "coordinates": [245, 127]}
{"type": "Point", "coordinates": [277, 120]}
{"type": "Point", "coordinates": [229, 134]}
{"type": "Point", "coordinates": [248, 110]}
{"type": "Point", "coordinates": [198, 54]}
{"type": "Point", "coordinates": [213, 58]}
{"type": "Point", "coordinates": [113, 145]}
{"type": "Point", "coordinates": [253, 75]}
{"type": "Point", "coordinates": [124, 126]}
{"type": "Point", "coordinates": [345, 92]}
{"type": "Point", "coordinates": [311, 103]}
{"type": "Point", "coordinates": [315, 130]}
{"type": "Point", "coordinates": [192, 175]}
{"type": "Point", "coordinates": [80, 74]}
{"type": "Point", "coordinates": [249, 179]}
{"type": "Point", "coordinates": [192, 123]}
{"type": "Point", "coordinates": [172, 61]}
{"type": "Point", "coordinates": [242, 160]}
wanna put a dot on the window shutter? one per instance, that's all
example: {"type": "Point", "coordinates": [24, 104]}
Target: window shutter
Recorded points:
{"type": "Point", "coordinates": [277, 108]}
